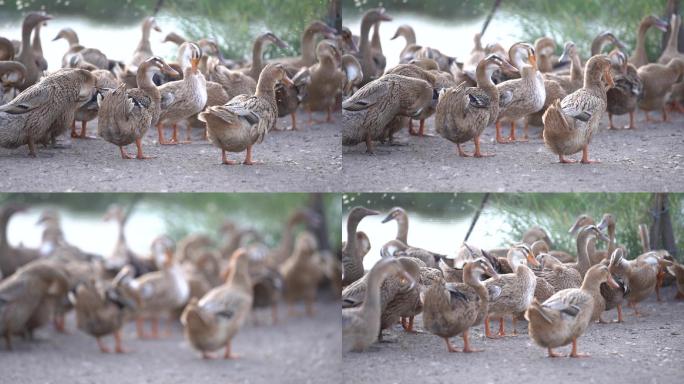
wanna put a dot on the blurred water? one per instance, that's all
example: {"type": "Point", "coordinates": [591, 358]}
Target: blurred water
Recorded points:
{"type": "Point", "coordinates": [453, 38]}
{"type": "Point", "coordinates": [441, 235]}
{"type": "Point", "coordinates": [89, 233]}
{"type": "Point", "coordinates": [117, 41]}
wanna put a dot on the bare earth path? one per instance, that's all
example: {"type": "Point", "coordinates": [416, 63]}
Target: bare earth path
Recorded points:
{"type": "Point", "coordinates": [647, 349]}
{"type": "Point", "coordinates": [307, 160]}
{"type": "Point", "coordinates": [298, 350]}
{"type": "Point", "coordinates": [647, 159]}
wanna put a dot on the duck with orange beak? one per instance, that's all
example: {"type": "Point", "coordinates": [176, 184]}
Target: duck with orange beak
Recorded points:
{"type": "Point", "coordinates": [521, 97]}
{"type": "Point", "coordinates": [569, 124]}
{"type": "Point", "coordinates": [183, 98]}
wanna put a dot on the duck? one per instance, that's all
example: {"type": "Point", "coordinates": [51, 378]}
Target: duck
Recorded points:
{"type": "Point", "coordinates": [513, 291]}
{"type": "Point", "coordinates": [141, 107]}
{"type": "Point", "coordinates": [302, 272]}
{"type": "Point", "coordinates": [540, 246]}
{"type": "Point", "coordinates": [639, 57]}
{"type": "Point", "coordinates": [399, 246]}
{"type": "Point", "coordinates": [677, 270]}
{"type": "Point", "coordinates": [27, 56]}
{"type": "Point", "coordinates": [101, 309]}
{"type": "Point", "coordinates": [185, 98]}
{"type": "Point", "coordinates": [122, 255]}
{"type": "Point", "coordinates": [211, 322]}
{"type": "Point", "coordinates": [613, 297]}
{"type": "Point", "coordinates": [569, 124]}
{"type": "Point", "coordinates": [352, 251]}
{"type": "Point", "coordinates": [366, 113]}
{"type": "Point", "coordinates": [376, 48]}
{"type": "Point", "coordinates": [246, 119]}
{"type": "Point", "coordinates": [520, 97]}
{"type": "Point", "coordinates": [160, 292]}
{"type": "Point", "coordinates": [361, 324]}
{"type": "Point", "coordinates": [173, 37]}
{"type": "Point", "coordinates": [326, 81]}
{"type": "Point", "coordinates": [90, 55]}
{"type": "Point", "coordinates": [640, 275]}
{"type": "Point", "coordinates": [143, 52]}
{"type": "Point", "coordinates": [558, 274]}
{"type": "Point", "coordinates": [45, 110]}
{"type": "Point", "coordinates": [408, 52]}
{"type": "Point", "coordinates": [586, 237]}
{"type": "Point", "coordinates": [353, 74]}
{"type": "Point", "coordinates": [605, 38]}
{"type": "Point", "coordinates": [623, 97]}
{"type": "Point", "coordinates": [657, 80]}
{"type": "Point", "coordinates": [463, 112]}
{"type": "Point", "coordinates": [370, 67]}
{"type": "Point", "coordinates": [565, 316]}
{"type": "Point", "coordinates": [254, 70]}
{"type": "Point", "coordinates": [418, 69]}
{"type": "Point", "coordinates": [545, 47]}
{"type": "Point", "coordinates": [104, 79]}
{"type": "Point", "coordinates": [22, 293]}
{"type": "Point", "coordinates": [307, 46]}
{"type": "Point", "coordinates": [12, 73]}
{"type": "Point", "coordinates": [451, 309]}
{"type": "Point", "coordinates": [572, 82]}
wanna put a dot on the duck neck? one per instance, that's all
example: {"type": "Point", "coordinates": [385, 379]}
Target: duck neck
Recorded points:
{"type": "Point", "coordinates": [364, 45]}
{"type": "Point", "coordinates": [611, 240]}
{"type": "Point", "coordinates": [598, 44]}
{"type": "Point", "coordinates": [265, 87]}
{"type": "Point", "coordinates": [484, 81]}
{"type": "Point", "coordinates": [371, 304]}
{"type": "Point", "coordinates": [257, 61]}
{"type": "Point", "coordinates": [583, 262]}
{"type": "Point", "coordinates": [239, 276]}
{"type": "Point", "coordinates": [26, 39]}
{"type": "Point", "coordinates": [410, 37]}
{"type": "Point", "coordinates": [592, 80]}
{"type": "Point", "coordinates": [4, 221]}
{"type": "Point", "coordinates": [402, 228]}
{"type": "Point", "coordinates": [673, 40]}
{"type": "Point", "coordinates": [308, 47]}
{"type": "Point", "coordinates": [590, 284]}
{"type": "Point", "coordinates": [352, 225]}
{"type": "Point", "coordinates": [375, 39]}
{"type": "Point", "coordinates": [576, 74]}
{"type": "Point", "coordinates": [144, 44]}
{"type": "Point", "coordinates": [639, 57]}
{"type": "Point", "coordinates": [144, 80]}
{"type": "Point", "coordinates": [473, 280]}
{"type": "Point", "coordinates": [37, 44]}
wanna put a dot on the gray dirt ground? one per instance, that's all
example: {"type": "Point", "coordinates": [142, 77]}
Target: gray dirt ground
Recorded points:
{"type": "Point", "coordinates": [308, 160]}
{"type": "Point", "coordinates": [298, 350]}
{"type": "Point", "coordinates": [648, 159]}
{"type": "Point", "coordinates": [648, 349]}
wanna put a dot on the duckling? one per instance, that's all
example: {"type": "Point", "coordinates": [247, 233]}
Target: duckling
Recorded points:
{"type": "Point", "coordinates": [90, 55]}
{"type": "Point", "coordinates": [326, 80]}
{"type": "Point", "coordinates": [361, 324]}
{"type": "Point", "coordinates": [44, 111]}
{"type": "Point", "coordinates": [22, 293]}
{"type": "Point", "coordinates": [368, 112]}
{"type": "Point", "coordinates": [12, 73]}
{"type": "Point", "coordinates": [143, 52]}
{"type": "Point", "coordinates": [569, 124]}
{"type": "Point", "coordinates": [565, 316]}
{"type": "Point", "coordinates": [160, 292]}
{"type": "Point", "coordinates": [622, 98]}
{"type": "Point", "coordinates": [353, 249]}
{"type": "Point", "coordinates": [515, 290]}
{"type": "Point", "coordinates": [302, 273]}
{"type": "Point", "coordinates": [520, 97]}
{"type": "Point", "coordinates": [639, 57]}
{"type": "Point", "coordinates": [104, 79]}
{"type": "Point", "coordinates": [463, 113]}
{"type": "Point", "coordinates": [101, 309]}
{"type": "Point", "coordinates": [184, 98]}
{"type": "Point", "coordinates": [27, 55]}
{"type": "Point", "coordinates": [211, 322]}
{"type": "Point", "coordinates": [657, 80]}
{"type": "Point", "coordinates": [125, 115]}
{"type": "Point", "coordinates": [370, 66]}
{"type": "Point", "coordinates": [451, 309]}
{"type": "Point", "coordinates": [245, 120]}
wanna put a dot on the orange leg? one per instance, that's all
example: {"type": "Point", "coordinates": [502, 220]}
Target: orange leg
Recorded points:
{"type": "Point", "coordinates": [293, 116]}
{"type": "Point", "coordinates": [274, 313]}
{"type": "Point", "coordinates": [409, 328]}
{"type": "Point", "coordinates": [664, 112]}
{"type": "Point", "coordinates": [421, 128]}
{"type": "Point", "coordinates": [466, 344]}
{"type": "Point", "coordinates": [514, 322]}
{"type": "Point", "coordinates": [224, 158]}
{"type": "Point", "coordinates": [162, 140]}
{"type": "Point", "coordinates": [461, 152]}
{"type": "Point", "coordinates": [124, 154]}
{"type": "Point", "coordinates": [574, 352]}
{"type": "Point", "coordinates": [73, 129]}
{"type": "Point", "coordinates": [477, 148]}
{"type": "Point", "coordinates": [248, 157]}
{"type": "Point", "coordinates": [563, 160]}
{"type": "Point", "coordinates": [488, 332]}
{"type": "Point", "coordinates": [140, 155]}
{"type": "Point", "coordinates": [207, 356]}
{"type": "Point", "coordinates": [155, 327]}
{"type": "Point", "coordinates": [499, 138]}
{"type": "Point", "coordinates": [140, 327]}
{"type": "Point", "coordinates": [206, 133]}
{"type": "Point", "coordinates": [450, 347]}
{"type": "Point", "coordinates": [648, 117]}
{"type": "Point", "coordinates": [526, 128]}
{"type": "Point", "coordinates": [174, 135]}
{"type": "Point", "coordinates": [554, 354]}
{"type": "Point", "coordinates": [511, 136]}
{"type": "Point", "coordinates": [410, 128]}
{"type": "Point", "coordinates": [632, 124]}
{"type": "Point", "coordinates": [228, 354]}
{"type": "Point", "coordinates": [619, 311]}
{"type": "Point", "coordinates": [118, 347]}
{"type": "Point", "coordinates": [101, 344]}
{"type": "Point", "coordinates": [369, 144]}
{"type": "Point", "coordinates": [84, 131]}
{"type": "Point", "coordinates": [610, 120]}
{"type": "Point", "coordinates": [329, 118]}
{"type": "Point", "coordinates": [502, 331]}
{"type": "Point", "coordinates": [660, 277]}
{"type": "Point", "coordinates": [585, 156]}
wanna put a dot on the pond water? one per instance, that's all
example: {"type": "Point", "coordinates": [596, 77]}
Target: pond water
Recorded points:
{"type": "Point", "coordinates": [441, 235]}
{"type": "Point", "coordinates": [454, 38]}
{"type": "Point", "coordinates": [117, 41]}
{"type": "Point", "coordinates": [89, 233]}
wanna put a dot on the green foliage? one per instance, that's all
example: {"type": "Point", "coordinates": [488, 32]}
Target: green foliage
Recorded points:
{"type": "Point", "coordinates": [184, 213]}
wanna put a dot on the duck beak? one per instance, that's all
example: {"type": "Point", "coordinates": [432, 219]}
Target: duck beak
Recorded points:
{"type": "Point", "coordinates": [611, 282]}
{"type": "Point", "coordinates": [396, 34]}
{"type": "Point", "coordinates": [329, 32]}
{"type": "Point", "coordinates": [531, 259]}
{"type": "Point", "coordinates": [602, 225]}
{"type": "Point", "coordinates": [388, 218]}
{"type": "Point", "coordinates": [167, 70]}
{"type": "Point", "coordinates": [194, 64]}
{"type": "Point", "coordinates": [662, 25]}
{"type": "Point", "coordinates": [533, 61]}
{"type": "Point", "coordinates": [508, 67]}
{"type": "Point", "coordinates": [565, 57]}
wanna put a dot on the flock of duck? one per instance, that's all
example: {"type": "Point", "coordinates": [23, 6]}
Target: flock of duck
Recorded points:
{"type": "Point", "coordinates": [211, 286]}
{"type": "Point", "coordinates": [559, 294]}
{"type": "Point", "coordinates": [496, 86]}
{"type": "Point", "coordinates": [238, 103]}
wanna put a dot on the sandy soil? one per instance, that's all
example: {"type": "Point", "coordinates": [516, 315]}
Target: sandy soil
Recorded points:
{"type": "Point", "coordinates": [298, 350]}
{"type": "Point", "coordinates": [305, 161]}
{"type": "Point", "coordinates": [647, 159]}
{"type": "Point", "coordinates": [647, 349]}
